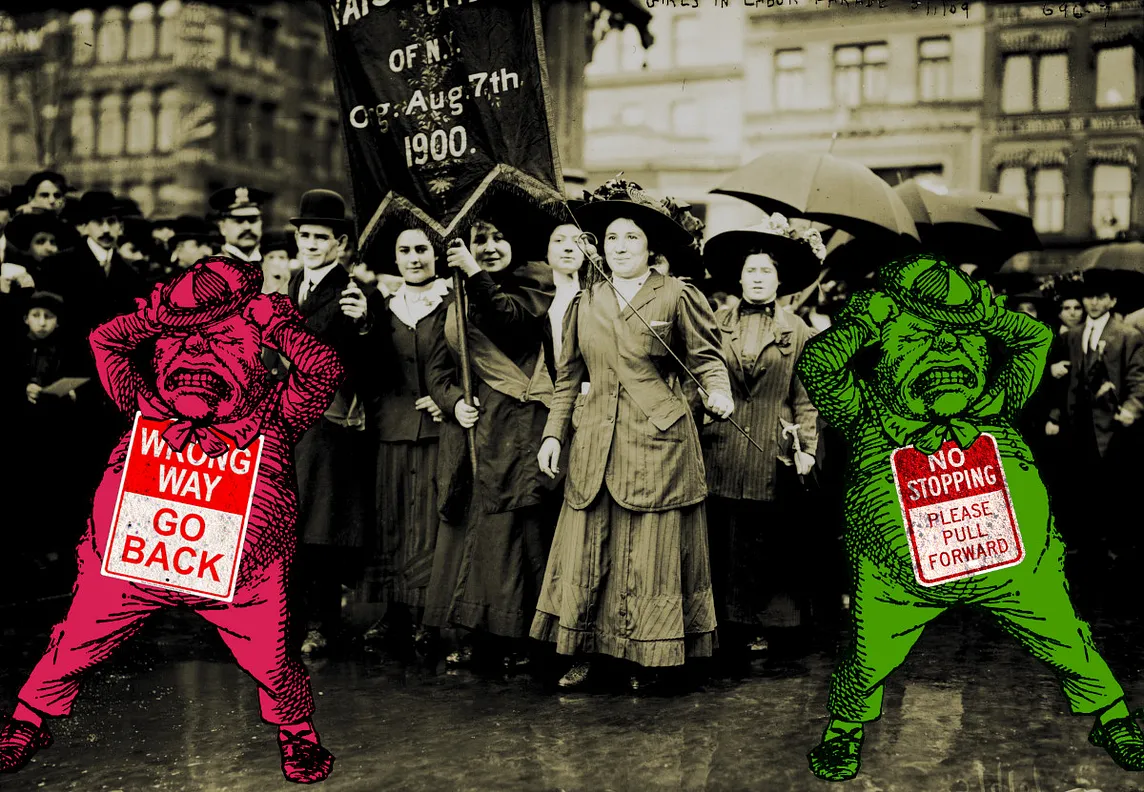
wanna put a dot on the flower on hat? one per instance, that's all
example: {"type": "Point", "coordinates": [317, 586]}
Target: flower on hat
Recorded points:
{"type": "Point", "coordinates": [779, 225]}
{"type": "Point", "coordinates": [620, 189]}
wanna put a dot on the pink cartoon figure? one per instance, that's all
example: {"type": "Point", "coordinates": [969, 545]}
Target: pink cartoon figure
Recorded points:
{"type": "Point", "coordinates": [211, 395]}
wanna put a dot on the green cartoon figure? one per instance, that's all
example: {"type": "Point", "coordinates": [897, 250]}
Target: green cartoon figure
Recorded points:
{"type": "Point", "coordinates": [944, 507]}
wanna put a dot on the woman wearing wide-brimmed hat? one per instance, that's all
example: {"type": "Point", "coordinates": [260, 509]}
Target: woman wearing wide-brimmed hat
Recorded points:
{"type": "Point", "coordinates": [494, 533]}
{"type": "Point", "coordinates": [757, 544]}
{"type": "Point", "coordinates": [628, 574]}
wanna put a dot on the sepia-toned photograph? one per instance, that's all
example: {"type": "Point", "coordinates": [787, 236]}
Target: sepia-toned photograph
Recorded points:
{"type": "Point", "coordinates": [572, 395]}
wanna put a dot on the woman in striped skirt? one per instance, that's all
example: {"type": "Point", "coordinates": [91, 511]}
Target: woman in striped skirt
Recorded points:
{"type": "Point", "coordinates": [759, 546]}
{"type": "Point", "coordinates": [628, 574]}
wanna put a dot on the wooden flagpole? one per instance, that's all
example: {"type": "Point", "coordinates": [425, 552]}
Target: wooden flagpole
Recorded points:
{"type": "Point", "coordinates": [462, 304]}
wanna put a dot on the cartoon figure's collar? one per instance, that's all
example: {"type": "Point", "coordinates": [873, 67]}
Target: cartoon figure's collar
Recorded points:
{"type": "Point", "coordinates": [210, 437]}
{"type": "Point", "coordinates": [927, 436]}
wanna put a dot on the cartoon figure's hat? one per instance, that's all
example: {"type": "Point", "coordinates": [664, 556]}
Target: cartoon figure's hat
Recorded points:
{"type": "Point", "coordinates": [210, 290]}
{"type": "Point", "coordinates": [933, 289]}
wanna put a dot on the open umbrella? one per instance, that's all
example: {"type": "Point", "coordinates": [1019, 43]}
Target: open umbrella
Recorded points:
{"type": "Point", "coordinates": [1116, 257]}
{"type": "Point", "coordinates": [1125, 263]}
{"type": "Point", "coordinates": [855, 257]}
{"type": "Point", "coordinates": [824, 188]}
{"type": "Point", "coordinates": [981, 228]}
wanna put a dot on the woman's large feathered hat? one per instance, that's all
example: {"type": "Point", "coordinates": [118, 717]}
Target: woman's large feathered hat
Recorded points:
{"type": "Point", "coordinates": [671, 230]}
{"type": "Point", "coordinates": [798, 253]}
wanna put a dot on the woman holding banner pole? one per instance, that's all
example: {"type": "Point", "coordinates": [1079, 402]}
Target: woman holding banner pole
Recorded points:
{"type": "Point", "coordinates": [629, 575]}
{"type": "Point", "coordinates": [495, 531]}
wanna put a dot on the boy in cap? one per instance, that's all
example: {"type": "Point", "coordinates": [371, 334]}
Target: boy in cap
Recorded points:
{"type": "Point", "coordinates": [951, 369]}
{"type": "Point", "coordinates": [46, 424]}
{"type": "Point", "coordinates": [239, 214]}
{"type": "Point", "coordinates": [207, 326]}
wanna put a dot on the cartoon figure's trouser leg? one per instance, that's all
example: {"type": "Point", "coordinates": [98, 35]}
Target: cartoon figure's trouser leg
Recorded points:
{"type": "Point", "coordinates": [1034, 608]}
{"type": "Point", "coordinates": [105, 612]}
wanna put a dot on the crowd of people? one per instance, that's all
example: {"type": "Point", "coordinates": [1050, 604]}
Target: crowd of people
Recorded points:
{"type": "Point", "coordinates": [639, 477]}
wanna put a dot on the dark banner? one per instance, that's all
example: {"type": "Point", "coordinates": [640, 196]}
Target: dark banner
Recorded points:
{"type": "Point", "coordinates": [443, 101]}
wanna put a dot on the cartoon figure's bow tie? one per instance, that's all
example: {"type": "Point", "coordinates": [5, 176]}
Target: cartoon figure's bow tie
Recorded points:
{"type": "Point", "coordinates": [210, 440]}
{"type": "Point", "coordinates": [929, 438]}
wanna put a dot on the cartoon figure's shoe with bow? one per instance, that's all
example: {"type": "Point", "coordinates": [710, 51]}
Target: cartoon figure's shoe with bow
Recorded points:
{"type": "Point", "coordinates": [304, 761]}
{"type": "Point", "coordinates": [19, 741]}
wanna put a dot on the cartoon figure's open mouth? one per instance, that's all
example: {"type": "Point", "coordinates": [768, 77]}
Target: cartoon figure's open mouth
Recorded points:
{"type": "Point", "coordinates": [943, 378]}
{"type": "Point", "coordinates": [202, 381]}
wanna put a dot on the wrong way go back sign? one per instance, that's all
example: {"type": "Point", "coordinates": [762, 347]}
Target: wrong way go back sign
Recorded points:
{"type": "Point", "coordinates": [180, 518]}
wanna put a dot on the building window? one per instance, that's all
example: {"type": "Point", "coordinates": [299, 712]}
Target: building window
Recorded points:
{"type": "Point", "coordinates": [1111, 200]}
{"type": "Point", "coordinates": [1017, 84]}
{"type": "Point", "coordinates": [141, 39]}
{"type": "Point", "coordinates": [860, 74]}
{"type": "Point", "coordinates": [334, 138]}
{"type": "Point", "coordinates": [112, 41]}
{"type": "Point", "coordinates": [309, 133]}
{"type": "Point", "coordinates": [1053, 81]}
{"type": "Point", "coordinates": [83, 37]}
{"type": "Point", "coordinates": [240, 143]}
{"type": "Point", "coordinates": [1115, 77]}
{"type": "Point", "coordinates": [686, 120]}
{"type": "Point", "coordinates": [935, 69]}
{"type": "Point", "coordinates": [632, 115]}
{"type": "Point", "coordinates": [141, 123]}
{"type": "Point", "coordinates": [631, 49]}
{"type": "Point", "coordinates": [790, 78]}
{"type": "Point", "coordinates": [169, 28]}
{"type": "Point", "coordinates": [266, 134]}
{"type": "Point", "coordinates": [687, 39]}
{"type": "Point", "coordinates": [168, 126]}
{"type": "Point", "coordinates": [929, 176]}
{"type": "Point", "coordinates": [1014, 182]}
{"type": "Point", "coordinates": [83, 128]}
{"type": "Point", "coordinates": [144, 195]}
{"type": "Point", "coordinates": [1035, 82]}
{"type": "Point", "coordinates": [322, 144]}
{"type": "Point", "coordinates": [1049, 200]}
{"type": "Point", "coordinates": [111, 125]}
{"type": "Point", "coordinates": [240, 49]}
{"type": "Point", "coordinates": [268, 37]}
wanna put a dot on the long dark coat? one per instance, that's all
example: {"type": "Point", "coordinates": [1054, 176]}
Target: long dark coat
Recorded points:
{"type": "Point", "coordinates": [769, 391]}
{"type": "Point", "coordinates": [333, 462]}
{"type": "Point", "coordinates": [511, 309]}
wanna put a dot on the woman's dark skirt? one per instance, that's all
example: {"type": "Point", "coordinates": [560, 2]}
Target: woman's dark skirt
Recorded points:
{"type": "Point", "coordinates": [407, 522]}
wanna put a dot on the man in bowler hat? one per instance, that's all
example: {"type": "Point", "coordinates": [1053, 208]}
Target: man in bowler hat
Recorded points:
{"type": "Point", "coordinates": [207, 326]}
{"type": "Point", "coordinates": [239, 214]}
{"type": "Point", "coordinates": [331, 504]}
{"type": "Point", "coordinates": [98, 283]}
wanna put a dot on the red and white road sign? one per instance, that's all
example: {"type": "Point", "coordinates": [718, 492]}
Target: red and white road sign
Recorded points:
{"type": "Point", "coordinates": [180, 518]}
{"type": "Point", "coordinates": [957, 511]}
